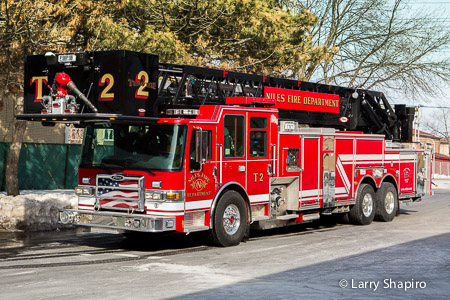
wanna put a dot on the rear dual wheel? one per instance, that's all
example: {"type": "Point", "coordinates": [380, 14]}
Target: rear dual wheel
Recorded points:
{"type": "Point", "coordinates": [363, 212]}
{"type": "Point", "coordinates": [386, 202]}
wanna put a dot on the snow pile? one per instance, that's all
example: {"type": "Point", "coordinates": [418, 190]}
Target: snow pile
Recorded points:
{"type": "Point", "coordinates": [441, 176]}
{"type": "Point", "coordinates": [34, 210]}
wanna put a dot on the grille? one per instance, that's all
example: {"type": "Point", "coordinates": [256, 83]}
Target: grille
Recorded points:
{"type": "Point", "coordinates": [120, 192]}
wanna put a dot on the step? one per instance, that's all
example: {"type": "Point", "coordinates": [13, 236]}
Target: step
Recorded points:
{"type": "Point", "coordinates": [287, 217]}
{"type": "Point", "coordinates": [195, 228]}
{"type": "Point", "coordinates": [260, 218]}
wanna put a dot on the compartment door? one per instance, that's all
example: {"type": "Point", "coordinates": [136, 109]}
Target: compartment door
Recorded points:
{"type": "Point", "coordinates": [310, 182]}
{"type": "Point", "coordinates": [328, 179]}
{"type": "Point", "coordinates": [328, 172]}
{"type": "Point", "coordinates": [407, 173]}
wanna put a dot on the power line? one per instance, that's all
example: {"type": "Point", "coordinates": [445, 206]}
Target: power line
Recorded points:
{"type": "Point", "coordinates": [427, 106]}
{"type": "Point", "coordinates": [432, 2]}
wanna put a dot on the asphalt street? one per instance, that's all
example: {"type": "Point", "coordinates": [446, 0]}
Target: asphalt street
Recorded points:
{"type": "Point", "coordinates": [404, 259]}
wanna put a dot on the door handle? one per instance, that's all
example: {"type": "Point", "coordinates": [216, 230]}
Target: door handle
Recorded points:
{"type": "Point", "coordinates": [269, 170]}
{"type": "Point", "coordinates": [214, 173]}
{"type": "Point", "coordinates": [241, 169]}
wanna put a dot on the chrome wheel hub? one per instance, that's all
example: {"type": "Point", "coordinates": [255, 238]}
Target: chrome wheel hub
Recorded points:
{"type": "Point", "coordinates": [231, 219]}
{"type": "Point", "coordinates": [367, 205]}
{"type": "Point", "coordinates": [389, 202]}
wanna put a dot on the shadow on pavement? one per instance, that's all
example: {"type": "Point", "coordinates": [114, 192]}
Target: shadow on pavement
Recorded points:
{"type": "Point", "coordinates": [424, 260]}
{"type": "Point", "coordinates": [13, 243]}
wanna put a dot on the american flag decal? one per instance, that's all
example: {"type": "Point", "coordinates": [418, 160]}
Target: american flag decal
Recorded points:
{"type": "Point", "coordinates": [122, 194]}
{"type": "Point", "coordinates": [117, 189]}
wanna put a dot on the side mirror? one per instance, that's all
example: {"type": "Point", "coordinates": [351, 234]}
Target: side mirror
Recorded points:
{"type": "Point", "coordinates": [201, 146]}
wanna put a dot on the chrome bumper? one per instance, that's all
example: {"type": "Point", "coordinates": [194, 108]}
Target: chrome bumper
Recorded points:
{"type": "Point", "coordinates": [113, 220]}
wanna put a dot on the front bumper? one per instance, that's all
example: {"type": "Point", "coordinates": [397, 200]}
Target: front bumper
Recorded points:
{"type": "Point", "coordinates": [119, 221]}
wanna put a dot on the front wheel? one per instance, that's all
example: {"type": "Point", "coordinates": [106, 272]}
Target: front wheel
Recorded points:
{"type": "Point", "coordinates": [363, 212]}
{"type": "Point", "coordinates": [230, 220]}
{"type": "Point", "coordinates": [387, 202]}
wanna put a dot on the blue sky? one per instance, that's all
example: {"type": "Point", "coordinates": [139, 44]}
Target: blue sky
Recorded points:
{"type": "Point", "coordinates": [441, 11]}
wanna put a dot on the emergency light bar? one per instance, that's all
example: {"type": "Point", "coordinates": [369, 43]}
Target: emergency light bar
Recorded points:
{"type": "Point", "coordinates": [249, 101]}
{"type": "Point", "coordinates": [182, 112]}
{"type": "Point", "coordinates": [67, 58]}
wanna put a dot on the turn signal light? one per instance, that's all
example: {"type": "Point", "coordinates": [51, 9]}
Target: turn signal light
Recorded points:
{"type": "Point", "coordinates": [172, 196]}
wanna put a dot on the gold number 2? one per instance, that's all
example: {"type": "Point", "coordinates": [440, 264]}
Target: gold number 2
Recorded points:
{"type": "Point", "coordinates": [142, 77]}
{"type": "Point", "coordinates": [107, 79]}
{"type": "Point", "coordinates": [261, 175]}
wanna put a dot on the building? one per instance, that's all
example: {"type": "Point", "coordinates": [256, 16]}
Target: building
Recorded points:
{"type": "Point", "coordinates": [444, 148]}
{"type": "Point", "coordinates": [35, 131]}
{"type": "Point", "coordinates": [427, 138]}
{"type": "Point", "coordinates": [440, 145]}
{"type": "Point", "coordinates": [441, 165]}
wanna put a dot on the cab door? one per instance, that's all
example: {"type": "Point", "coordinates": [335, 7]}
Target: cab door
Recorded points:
{"type": "Point", "coordinates": [232, 150]}
{"type": "Point", "coordinates": [259, 154]}
{"type": "Point", "coordinates": [200, 177]}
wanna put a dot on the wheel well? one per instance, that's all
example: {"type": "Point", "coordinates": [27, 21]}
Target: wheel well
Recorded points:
{"type": "Point", "coordinates": [231, 187]}
{"type": "Point", "coordinates": [370, 181]}
{"type": "Point", "coordinates": [391, 180]}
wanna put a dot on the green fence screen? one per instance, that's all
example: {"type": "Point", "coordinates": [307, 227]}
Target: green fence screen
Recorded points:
{"type": "Point", "coordinates": [44, 166]}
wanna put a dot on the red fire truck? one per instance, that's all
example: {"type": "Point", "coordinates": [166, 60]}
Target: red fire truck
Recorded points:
{"type": "Point", "coordinates": [183, 148]}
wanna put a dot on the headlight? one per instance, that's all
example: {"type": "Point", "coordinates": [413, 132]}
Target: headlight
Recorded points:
{"type": "Point", "coordinates": [164, 195]}
{"type": "Point", "coordinates": [84, 191]}
{"type": "Point", "coordinates": [153, 196]}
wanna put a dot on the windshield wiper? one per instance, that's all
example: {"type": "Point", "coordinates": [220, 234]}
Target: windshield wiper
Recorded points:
{"type": "Point", "coordinates": [126, 166]}
{"type": "Point", "coordinates": [148, 171]}
{"type": "Point", "coordinates": [110, 165]}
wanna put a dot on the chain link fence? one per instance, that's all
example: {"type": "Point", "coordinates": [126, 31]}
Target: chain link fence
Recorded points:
{"type": "Point", "coordinates": [44, 166]}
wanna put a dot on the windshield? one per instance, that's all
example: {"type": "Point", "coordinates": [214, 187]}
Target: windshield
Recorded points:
{"type": "Point", "coordinates": [141, 147]}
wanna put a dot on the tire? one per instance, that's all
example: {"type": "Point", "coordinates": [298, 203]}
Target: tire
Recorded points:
{"type": "Point", "coordinates": [343, 219]}
{"type": "Point", "coordinates": [386, 202]}
{"type": "Point", "coordinates": [230, 220]}
{"type": "Point", "coordinates": [363, 212]}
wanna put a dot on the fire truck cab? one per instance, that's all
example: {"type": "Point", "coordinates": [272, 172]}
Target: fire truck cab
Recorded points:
{"type": "Point", "coordinates": [182, 148]}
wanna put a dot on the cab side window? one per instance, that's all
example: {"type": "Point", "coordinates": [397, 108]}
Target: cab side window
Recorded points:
{"type": "Point", "coordinates": [258, 137]}
{"type": "Point", "coordinates": [193, 165]}
{"type": "Point", "coordinates": [233, 136]}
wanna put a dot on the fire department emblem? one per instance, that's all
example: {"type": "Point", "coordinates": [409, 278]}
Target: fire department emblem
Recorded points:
{"type": "Point", "coordinates": [198, 181]}
{"type": "Point", "coordinates": [406, 175]}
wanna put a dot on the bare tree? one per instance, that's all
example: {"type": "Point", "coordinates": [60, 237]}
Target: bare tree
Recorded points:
{"type": "Point", "coordinates": [379, 44]}
{"type": "Point", "coordinates": [12, 182]}
{"type": "Point", "coordinates": [439, 124]}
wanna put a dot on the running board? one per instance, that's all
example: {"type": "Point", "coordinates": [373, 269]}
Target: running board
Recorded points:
{"type": "Point", "coordinates": [260, 218]}
{"type": "Point", "coordinates": [287, 217]}
{"type": "Point", "coordinates": [195, 229]}
{"type": "Point", "coordinates": [311, 217]}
